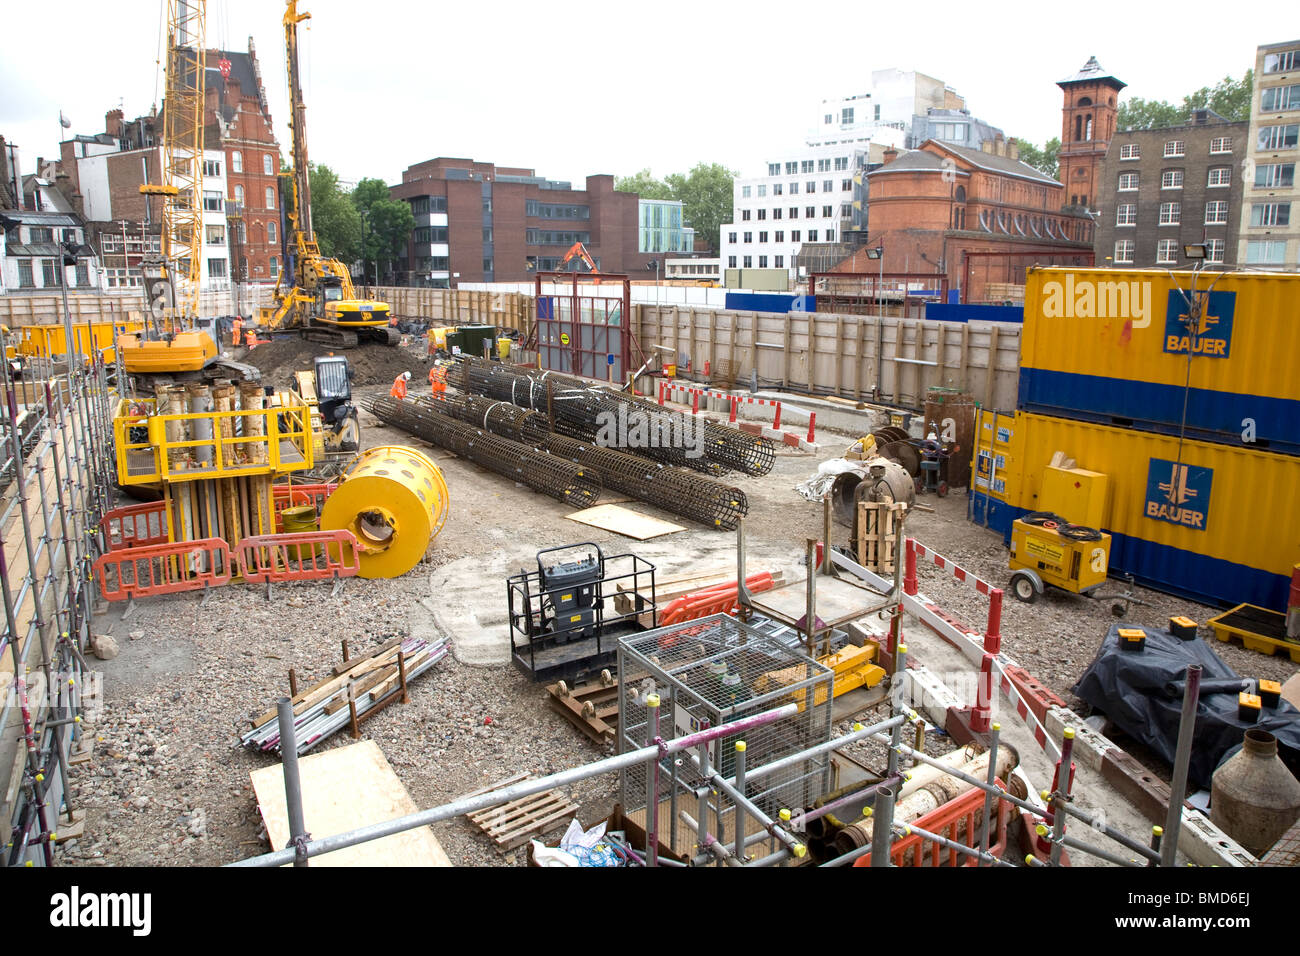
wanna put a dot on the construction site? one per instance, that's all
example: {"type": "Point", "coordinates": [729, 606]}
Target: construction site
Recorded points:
{"type": "Point", "coordinates": [557, 577]}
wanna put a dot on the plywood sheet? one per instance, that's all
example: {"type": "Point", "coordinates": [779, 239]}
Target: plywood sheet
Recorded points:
{"type": "Point", "coordinates": [624, 521]}
{"type": "Point", "coordinates": [342, 790]}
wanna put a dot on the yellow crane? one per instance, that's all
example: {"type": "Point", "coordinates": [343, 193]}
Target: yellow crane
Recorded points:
{"type": "Point", "coordinates": [321, 302]}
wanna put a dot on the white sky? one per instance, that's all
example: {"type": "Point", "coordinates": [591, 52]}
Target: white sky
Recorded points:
{"type": "Point", "coordinates": [579, 87]}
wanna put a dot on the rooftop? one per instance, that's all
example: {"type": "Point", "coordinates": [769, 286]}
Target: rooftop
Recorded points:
{"type": "Point", "coordinates": [1092, 72]}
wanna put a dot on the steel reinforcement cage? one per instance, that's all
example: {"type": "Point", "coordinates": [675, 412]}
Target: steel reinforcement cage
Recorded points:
{"type": "Point", "coordinates": [707, 673]}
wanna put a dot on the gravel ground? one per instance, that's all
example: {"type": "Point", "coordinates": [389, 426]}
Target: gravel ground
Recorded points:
{"type": "Point", "coordinates": [169, 784]}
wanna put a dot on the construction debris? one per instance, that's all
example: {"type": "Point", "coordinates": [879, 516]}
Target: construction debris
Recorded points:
{"type": "Point", "coordinates": [514, 823]}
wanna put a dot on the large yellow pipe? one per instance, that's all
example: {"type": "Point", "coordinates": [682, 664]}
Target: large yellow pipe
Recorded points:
{"type": "Point", "coordinates": [394, 500]}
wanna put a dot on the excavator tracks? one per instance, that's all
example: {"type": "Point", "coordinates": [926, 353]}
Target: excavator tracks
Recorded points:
{"type": "Point", "coordinates": [334, 338]}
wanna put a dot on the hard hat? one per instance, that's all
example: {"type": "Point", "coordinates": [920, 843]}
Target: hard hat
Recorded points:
{"type": "Point", "coordinates": [406, 375]}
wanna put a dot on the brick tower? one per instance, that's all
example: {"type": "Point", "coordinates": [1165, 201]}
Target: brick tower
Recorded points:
{"type": "Point", "coordinates": [1087, 124]}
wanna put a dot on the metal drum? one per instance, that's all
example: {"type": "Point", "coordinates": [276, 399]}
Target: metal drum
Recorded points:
{"type": "Point", "coordinates": [394, 500]}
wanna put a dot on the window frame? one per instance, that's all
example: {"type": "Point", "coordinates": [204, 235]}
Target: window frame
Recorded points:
{"type": "Point", "coordinates": [1171, 179]}
{"type": "Point", "coordinates": [1126, 215]}
{"type": "Point", "coordinates": [1129, 246]}
{"type": "Point", "coordinates": [1134, 151]}
{"type": "Point", "coordinates": [1172, 246]}
{"type": "Point", "coordinates": [1132, 177]}
{"type": "Point", "coordinates": [1175, 149]}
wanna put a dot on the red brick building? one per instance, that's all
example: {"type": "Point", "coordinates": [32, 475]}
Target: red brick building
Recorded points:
{"type": "Point", "coordinates": [978, 216]}
{"type": "Point", "coordinates": [236, 109]}
{"type": "Point", "coordinates": [477, 222]}
{"type": "Point", "coordinates": [1087, 124]}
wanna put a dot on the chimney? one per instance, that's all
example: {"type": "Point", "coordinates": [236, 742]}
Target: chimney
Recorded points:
{"type": "Point", "coordinates": [986, 146]}
{"type": "Point", "coordinates": [890, 154]}
{"type": "Point", "coordinates": [113, 123]}
{"type": "Point", "coordinates": [999, 145]}
{"type": "Point", "coordinates": [1013, 149]}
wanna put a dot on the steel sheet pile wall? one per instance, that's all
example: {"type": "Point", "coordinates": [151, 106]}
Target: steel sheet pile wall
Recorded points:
{"type": "Point", "coordinates": [563, 480]}
{"type": "Point", "coordinates": [1183, 390]}
{"type": "Point", "coordinates": [618, 420]}
{"type": "Point", "coordinates": [673, 489]}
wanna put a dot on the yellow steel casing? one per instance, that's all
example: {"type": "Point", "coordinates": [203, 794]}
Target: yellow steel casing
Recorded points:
{"type": "Point", "coordinates": [50, 340]}
{"type": "Point", "coordinates": [1077, 495]}
{"type": "Point", "coordinates": [1075, 566]}
{"type": "Point", "coordinates": [185, 352]}
{"type": "Point", "coordinates": [1112, 346]}
{"type": "Point", "coordinates": [394, 500]}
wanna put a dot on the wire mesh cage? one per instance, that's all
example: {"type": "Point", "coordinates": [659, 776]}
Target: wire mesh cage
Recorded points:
{"type": "Point", "coordinates": [706, 673]}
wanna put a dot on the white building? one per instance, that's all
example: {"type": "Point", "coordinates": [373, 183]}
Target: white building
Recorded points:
{"type": "Point", "coordinates": [30, 253]}
{"type": "Point", "coordinates": [1269, 237]}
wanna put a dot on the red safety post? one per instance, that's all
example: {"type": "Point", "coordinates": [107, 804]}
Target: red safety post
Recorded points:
{"type": "Point", "coordinates": [981, 718]}
{"type": "Point", "coordinates": [695, 402]}
{"type": "Point", "coordinates": [731, 418]}
{"type": "Point", "coordinates": [706, 368]}
{"type": "Point", "coordinates": [661, 392]}
{"type": "Point", "coordinates": [776, 422]}
{"type": "Point", "coordinates": [812, 425]}
{"type": "Point", "coordinates": [909, 572]}
{"type": "Point", "coordinates": [993, 634]}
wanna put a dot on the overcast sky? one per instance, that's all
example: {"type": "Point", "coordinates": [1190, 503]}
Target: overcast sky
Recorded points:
{"type": "Point", "coordinates": [579, 87]}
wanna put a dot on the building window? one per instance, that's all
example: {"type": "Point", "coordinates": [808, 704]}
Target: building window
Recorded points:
{"type": "Point", "coordinates": [877, 112]}
{"type": "Point", "coordinates": [1170, 213]}
{"type": "Point", "coordinates": [83, 273]}
{"type": "Point", "coordinates": [828, 185]}
{"type": "Point", "coordinates": [270, 231]}
{"type": "Point", "coordinates": [830, 235]}
{"type": "Point", "coordinates": [776, 213]}
{"type": "Point", "coordinates": [25, 280]}
{"type": "Point", "coordinates": [731, 238]}
{"type": "Point", "coordinates": [749, 237]}
{"type": "Point", "coordinates": [794, 212]}
{"type": "Point", "coordinates": [532, 237]}
{"type": "Point", "coordinates": [776, 189]}
{"type": "Point", "coordinates": [1216, 213]}
{"type": "Point", "coordinates": [780, 236]}
{"type": "Point", "coordinates": [1166, 251]}
{"type": "Point", "coordinates": [216, 268]}
{"type": "Point", "coordinates": [828, 119]}
{"type": "Point", "coordinates": [216, 236]}
{"type": "Point", "coordinates": [1220, 176]}
{"type": "Point", "coordinates": [828, 211]}
{"type": "Point", "coordinates": [810, 212]}
{"type": "Point", "coordinates": [270, 197]}
{"type": "Point", "coordinates": [1265, 252]}
{"type": "Point", "coordinates": [846, 185]}
{"type": "Point", "coordinates": [1278, 98]}
{"type": "Point", "coordinates": [812, 235]}
{"type": "Point", "coordinates": [1273, 175]}
{"type": "Point", "coordinates": [762, 262]}
{"type": "Point", "coordinates": [794, 189]}
{"type": "Point", "coordinates": [532, 208]}
{"type": "Point", "coordinates": [762, 237]}
{"type": "Point", "coordinates": [841, 163]}
{"type": "Point", "coordinates": [40, 234]}
{"type": "Point", "coordinates": [239, 195]}
{"type": "Point", "coordinates": [487, 234]}
{"type": "Point", "coordinates": [236, 161]}
{"type": "Point", "coordinates": [1124, 251]}
{"type": "Point", "coordinates": [487, 265]}
{"type": "Point", "coordinates": [1171, 179]}
{"type": "Point", "coordinates": [1220, 144]}
{"type": "Point", "coordinates": [1214, 250]}
{"type": "Point", "coordinates": [744, 192]}
{"type": "Point", "coordinates": [1281, 62]}
{"type": "Point", "coordinates": [846, 116]}
{"type": "Point", "coordinates": [749, 262]}
{"type": "Point", "coordinates": [212, 201]}
{"type": "Point", "coordinates": [823, 165]}
{"type": "Point", "coordinates": [810, 187]}
{"type": "Point", "coordinates": [1278, 137]}
{"type": "Point", "coordinates": [1175, 147]}
{"type": "Point", "coordinates": [1270, 214]}
{"type": "Point", "coordinates": [773, 169]}
{"type": "Point", "coordinates": [744, 215]}
{"type": "Point", "coordinates": [1130, 151]}
{"type": "Point", "coordinates": [1128, 182]}
{"type": "Point", "coordinates": [806, 166]}
{"type": "Point", "coordinates": [268, 169]}
{"type": "Point", "coordinates": [211, 167]}
{"type": "Point", "coordinates": [1126, 214]}
{"type": "Point", "coordinates": [275, 267]}
{"type": "Point", "coordinates": [791, 168]}
{"type": "Point", "coordinates": [762, 214]}
{"type": "Point", "coordinates": [794, 236]}
{"type": "Point", "coordinates": [731, 262]}
{"type": "Point", "coordinates": [779, 262]}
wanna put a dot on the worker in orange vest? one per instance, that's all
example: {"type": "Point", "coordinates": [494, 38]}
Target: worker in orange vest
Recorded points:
{"type": "Point", "coordinates": [237, 325]}
{"type": "Point", "coordinates": [399, 386]}
{"type": "Point", "coordinates": [438, 379]}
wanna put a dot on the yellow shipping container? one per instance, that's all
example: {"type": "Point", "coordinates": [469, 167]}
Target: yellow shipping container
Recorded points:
{"type": "Point", "coordinates": [1211, 356]}
{"type": "Point", "coordinates": [1210, 522]}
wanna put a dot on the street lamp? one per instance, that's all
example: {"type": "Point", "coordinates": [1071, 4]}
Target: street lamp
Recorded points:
{"type": "Point", "coordinates": [878, 254]}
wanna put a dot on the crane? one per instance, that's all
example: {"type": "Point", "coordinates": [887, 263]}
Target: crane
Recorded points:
{"type": "Point", "coordinates": [579, 251]}
{"type": "Point", "coordinates": [321, 301]}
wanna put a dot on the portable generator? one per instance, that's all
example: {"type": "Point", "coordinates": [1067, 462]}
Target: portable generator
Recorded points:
{"type": "Point", "coordinates": [569, 596]}
{"type": "Point", "coordinates": [1047, 550]}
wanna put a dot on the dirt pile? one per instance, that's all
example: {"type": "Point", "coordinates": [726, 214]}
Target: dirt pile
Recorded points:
{"type": "Point", "coordinates": [372, 364]}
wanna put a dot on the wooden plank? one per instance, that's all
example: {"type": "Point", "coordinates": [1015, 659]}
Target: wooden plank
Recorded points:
{"type": "Point", "coordinates": [623, 521]}
{"type": "Point", "coordinates": [344, 789]}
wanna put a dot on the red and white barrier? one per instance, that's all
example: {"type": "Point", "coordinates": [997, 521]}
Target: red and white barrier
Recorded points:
{"type": "Point", "coordinates": [670, 391]}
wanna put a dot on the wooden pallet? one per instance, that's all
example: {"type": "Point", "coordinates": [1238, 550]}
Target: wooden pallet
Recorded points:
{"type": "Point", "coordinates": [877, 526]}
{"type": "Point", "coordinates": [515, 823]}
{"type": "Point", "coordinates": [592, 708]}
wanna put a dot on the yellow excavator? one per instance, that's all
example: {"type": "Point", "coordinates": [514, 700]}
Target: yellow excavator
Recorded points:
{"type": "Point", "coordinates": [315, 296]}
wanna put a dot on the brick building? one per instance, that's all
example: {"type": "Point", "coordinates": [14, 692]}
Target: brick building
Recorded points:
{"type": "Point", "coordinates": [477, 222]}
{"type": "Point", "coordinates": [1088, 118]}
{"type": "Point", "coordinates": [1161, 188]}
{"type": "Point", "coordinates": [976, 215]}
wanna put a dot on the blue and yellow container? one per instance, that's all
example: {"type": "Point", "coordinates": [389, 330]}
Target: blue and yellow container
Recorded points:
{"type": "Point", "coordinates": [1207, 521]}
{"type": "Point", "coordinates": [1211, 356]}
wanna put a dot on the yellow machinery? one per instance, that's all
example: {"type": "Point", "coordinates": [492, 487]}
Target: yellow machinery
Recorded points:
{"type": "Point", "coordinates": [321, 301]}
{"type": "Point", "coordinates": [1046, 550]}
{"type": "Point", "coordinates": [853, 667]}
{"type": "Point", "coordinates": [326, 390]}
{"type": "Point", "coordinates": [394, 500]}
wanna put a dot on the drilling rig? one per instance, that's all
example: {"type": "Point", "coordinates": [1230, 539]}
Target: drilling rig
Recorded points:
{"type": "Point", "coordinates": [316, 295]}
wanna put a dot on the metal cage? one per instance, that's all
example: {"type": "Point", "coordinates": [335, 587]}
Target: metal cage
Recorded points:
{"type": "Point", "coordinates": [706, 673]}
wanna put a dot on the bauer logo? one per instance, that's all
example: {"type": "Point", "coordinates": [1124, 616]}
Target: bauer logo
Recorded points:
{"type": "Point", "coordinates": [1208, 334]}
{"type": "Point", "coordinates": [1179, 493]}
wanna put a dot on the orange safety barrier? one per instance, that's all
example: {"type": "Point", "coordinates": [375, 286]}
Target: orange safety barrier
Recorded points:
{"type": "Point", "coordinates": [135, 526]}
{"type": "Point", "coordinates": [289, 496]}
{"type": "Point", "coordinates": [957, 820]}
{"type": "Point", "coordinates": [163, 568]}
{"type": "Point", "coordinates": [718, 599]}
{"type": "Point", "coordinates": [305, 556]}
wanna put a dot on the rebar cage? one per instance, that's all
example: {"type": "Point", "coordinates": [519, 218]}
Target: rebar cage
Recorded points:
{"type": "Point", "coordinates": [706, 673]}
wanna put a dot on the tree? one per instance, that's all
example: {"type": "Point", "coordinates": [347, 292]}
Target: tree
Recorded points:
{"type": "Point", "coordinates": [706, 193]}
{"type": "Point", "coordinates": [644, 185]}
{"type": "Point", "coordinates": [388, 223]}
{"type": "Point", "coordinates": [333, 216]}
{"type": "Point", "coordinates": [1137, 113]}
{"type": "Point", "coordinates": [1044, 159]}
{"type": "Point", "coordinates": [1229, 98]}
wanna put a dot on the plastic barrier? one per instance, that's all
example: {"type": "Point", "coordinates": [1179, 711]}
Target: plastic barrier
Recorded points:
{"type": "Point", "coordinates": [719, 599]}
{"type": "Point", "coordinates": [307, 556]}
{"type": "Point", "coordinates": [288, 496]}
{"type": "Point", "coordinates": [959, 821]}
{"type": "Point", "coordinates": [135, 526]}
{"type": "Point", "coordinates": [163, 568]}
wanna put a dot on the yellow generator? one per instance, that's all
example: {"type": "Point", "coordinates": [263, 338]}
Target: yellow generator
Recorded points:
{"type": "Point", "coordinates": [1046, 550]}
